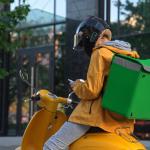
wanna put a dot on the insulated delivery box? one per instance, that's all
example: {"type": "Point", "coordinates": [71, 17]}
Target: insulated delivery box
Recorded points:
{"type": "Point", "coordinates": [127, 90]}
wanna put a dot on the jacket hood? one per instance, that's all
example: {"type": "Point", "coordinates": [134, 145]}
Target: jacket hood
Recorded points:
{"type": "Point", "coordinates": [123, 52]}
{"type": "Point", "coordinates": [119, 44]}
{"type": "Point", "coordinates": [119, 47]}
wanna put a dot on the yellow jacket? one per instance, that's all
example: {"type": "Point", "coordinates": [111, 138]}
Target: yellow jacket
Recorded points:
{"type": "Point", "coordinates": [89, 111]}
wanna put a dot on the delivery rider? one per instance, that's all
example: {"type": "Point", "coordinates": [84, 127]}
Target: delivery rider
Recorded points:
{"type": "Point", "coordinates": [93, 35]}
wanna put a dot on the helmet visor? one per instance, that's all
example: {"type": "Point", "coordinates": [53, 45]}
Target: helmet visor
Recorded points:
{"type": "Point", "coordinates": [78, 41]}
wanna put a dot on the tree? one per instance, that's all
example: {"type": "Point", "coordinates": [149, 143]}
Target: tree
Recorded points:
{"type": "Point", "coordinates": [8, 22]}
{"type": "Point", "coordinates": [135, 28]}
{"type": "Point", "coordinates": [138, 15]}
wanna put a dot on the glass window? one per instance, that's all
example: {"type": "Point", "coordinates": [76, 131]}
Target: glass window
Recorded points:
{"type": "Point", "coordinates": [35, 31]}
{"type": "Point", "coordinates": [61, 8]}
{"type": "Point", "coordinates": [42, 12]}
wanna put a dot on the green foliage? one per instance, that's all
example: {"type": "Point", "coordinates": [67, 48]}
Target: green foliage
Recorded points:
{"type": "Point", "coordinates": [141, 13]}
{"type": "Point", "coordinates": [135, 28]}
{"type": "Point", "coordinates": [8, 22]}
{"type": "Point", "coordinates": [7, 1]}
{"type": "Point", "coordinates": [3, 73]}
{"type": "Point", "coordinates": [137, 17]}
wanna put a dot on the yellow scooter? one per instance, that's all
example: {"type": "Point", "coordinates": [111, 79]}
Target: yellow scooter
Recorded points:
{"type": "Point", "coordinates": [46, 121]}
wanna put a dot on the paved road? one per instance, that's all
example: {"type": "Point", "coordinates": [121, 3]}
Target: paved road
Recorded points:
{"type": "Point", "coordinates": [8, 148]}
{"type": "Point", "coordinates": [8, 143]}
{"type": "Point", "coordinates": [13, 148]}
{"type": "Point", "coordinates": [147, 144]}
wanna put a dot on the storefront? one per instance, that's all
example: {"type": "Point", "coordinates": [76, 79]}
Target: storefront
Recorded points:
{"type": "Point", "coordinates": [46, 44]}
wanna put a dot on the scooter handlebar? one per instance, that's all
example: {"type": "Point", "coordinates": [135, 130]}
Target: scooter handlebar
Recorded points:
{"type": "Point", "coordinates": [64, 100]}
{"type": "Point", "coordinates": [46, 97]}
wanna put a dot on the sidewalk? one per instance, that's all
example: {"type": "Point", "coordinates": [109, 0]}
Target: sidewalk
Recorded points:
{"type": "Point", "coordinates": [147, 144]}
{"type": "Point", "coordinates": [8, 148]}
{"type": "Point", "coordinates": [10, 143]}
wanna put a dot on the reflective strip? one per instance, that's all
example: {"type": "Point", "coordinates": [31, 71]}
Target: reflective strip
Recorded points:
{"type": "Point", "coordinates": [77, 39]}
{"type": "Point", "coordinates": [146, 68]}
{"type": "Point", "coordinates": [127, 64]}
{"type": "Point", "coordinates": [75, 43]}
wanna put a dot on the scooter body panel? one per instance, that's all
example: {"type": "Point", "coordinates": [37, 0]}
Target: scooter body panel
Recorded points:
{"type": "Point", "coordinates": [106, 141]}
{"type": "Point", "coordinates": [48, 120]}
{"type": "Point", "coordinates": [58, 121]}
{"type": "Point", "coordinates": [42, 125]}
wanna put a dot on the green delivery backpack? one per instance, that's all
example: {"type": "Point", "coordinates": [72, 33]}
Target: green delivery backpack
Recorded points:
{"type": "Point", "coordinates": [127, 90]}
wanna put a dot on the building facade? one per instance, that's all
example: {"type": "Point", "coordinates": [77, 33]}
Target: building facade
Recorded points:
{"type": "Point", "coordinates": [46, 44]}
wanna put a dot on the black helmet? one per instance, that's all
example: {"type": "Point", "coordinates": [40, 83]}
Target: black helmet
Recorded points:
{"type": "Point", "coordinates": [88, 32]}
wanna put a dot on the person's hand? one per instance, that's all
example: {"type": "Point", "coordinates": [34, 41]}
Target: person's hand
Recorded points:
{"type": "Point", "coordinates": [71, 82]}
{"type": "Point", "coordinates": [76, 82]}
